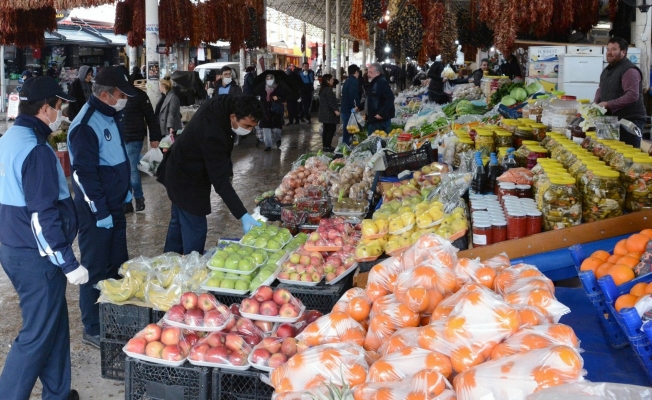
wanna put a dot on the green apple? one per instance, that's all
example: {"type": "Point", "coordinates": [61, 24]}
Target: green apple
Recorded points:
{"type": "Point", "coordinates": [264, 274]}
{"type": "Point", "coordinates": [217, 262]}
{"type": "Point", "coordinates": [249, 240]}
{"type": "Point", "coordinates": [232, 248]}
{"type": "Point", "coordinates": [227, 284]}
{"type": "Point", "coordinates": [232, 262]}
{"type": "Point", "coordinates": [222, 254]}
{"type": "Point", "coordinates": [259, 256]}
{"type": "Point", "coordinates": [214, 281]}
{"type": "Point", "coordinates": [265, 235]}
{"type": "Point", "coordinates": [284, 234]}
{"type": "Point", "coordinates": [271, 228]}
{"type": "Point", "coordinates": [218, 274]}
{"type": "Point", "coordinates": [241, 285]}
{"type": "Point", "coordinates": [261, 242]}
{"type": "Point", "coordinates": [274, 244]}
{"type": "Point", "coordinates": [246, 264]}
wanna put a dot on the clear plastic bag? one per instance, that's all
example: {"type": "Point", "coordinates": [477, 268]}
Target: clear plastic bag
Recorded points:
{"type": "Point", "coordinates": [422, 288]}
{"type": "Point", "coordinates": [425, 384]}
{"type": "Point", "coordinates": [409, 361]}
{"type": "Point", "coordinates": [386, 317]}
{"type": "Point", "coordinates": [221, 349]}
{"type": "Point", "coordinates": [593, 390]}
{"type": "Point", "coordinates": [536, 337]}
{"type": "Point", "coordinates": [200, 311]}
{"type": "Point", "coordinates": [337, 327]}
{"type": "Point", "coordinates": [382, 278]}
{"type": "Point", "coordinates": [401, 339]}
{"type": "Point", "coordinates": [151, 160]}
{"type": "Point", "coordinates": [161, 343]}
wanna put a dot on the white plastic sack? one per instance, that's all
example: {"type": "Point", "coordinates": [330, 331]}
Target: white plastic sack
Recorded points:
{"type": "Point", "coordinates": [150, 161]}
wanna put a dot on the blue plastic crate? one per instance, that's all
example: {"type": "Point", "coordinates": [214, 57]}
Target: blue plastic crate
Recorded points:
{"type": "Point", "coordinates": [628, 319]}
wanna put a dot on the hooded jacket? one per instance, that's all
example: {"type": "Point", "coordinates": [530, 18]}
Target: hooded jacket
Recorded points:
{"type": "Point", "coordinates": [82, 91]}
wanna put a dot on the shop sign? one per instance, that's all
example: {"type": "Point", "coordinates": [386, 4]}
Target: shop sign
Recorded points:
{"type": "Point", "coordinates": [12, 106]}
{"type": "Point", "coordinates": [152, 28]}
{"type": "Point", "coordinates": [62, 14]}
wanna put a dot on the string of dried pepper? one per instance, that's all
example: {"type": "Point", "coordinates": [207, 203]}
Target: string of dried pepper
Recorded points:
{"type": "Point", "coordinates": [357, 24]}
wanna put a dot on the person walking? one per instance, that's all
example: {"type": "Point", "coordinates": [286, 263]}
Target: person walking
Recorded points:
{"type": "Point", "coordinates": [135, 75]}
{"type": "Point", "coordinates": [307, 91]}
{"type": "Point", "coordinates": [293, 102]}
{"type": "Point", "coordinates": [169, 116]}
{"type": "Point", "coordinates": [226, 85]}
{"type": "Point", "coordinates": [201, 157]}
{"type": "Point", "coordinates": [100, 176]}
{"type": "Point", "coordinates": [436, 92]}
{"type": "Point", "coordinates": [328, 111]}
{"type": "Point", "coordinates": [621, 90]}
{"type": "Point", "coordinates": [38, 228]}
{"type": "Point", "coordinates": [248, 82]}
{"type": "Point", "coordinates": [350, 99]}
{"type": "Point", "coordinates": [272, 96]}
{"type": "Point", "coordinates": [380, 101]}
{"type": "Point", "coordinates": [137, 118]}
{"type": "Point", "coordinates": [81, 89]}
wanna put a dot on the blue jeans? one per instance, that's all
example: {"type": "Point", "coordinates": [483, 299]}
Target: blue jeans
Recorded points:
{"type": "Point", "coordinates": [186, 232]}
{"type": "Point", "coordinates": [133, 152]}
{"type": "Point", "coordinates": [271, 135]}
{"type": "Point", "coordinates": [42, 348]}
{"type": "Point", "coordinates": [380, 126]}
{"type": "Point", "coordinates": [346, 136]}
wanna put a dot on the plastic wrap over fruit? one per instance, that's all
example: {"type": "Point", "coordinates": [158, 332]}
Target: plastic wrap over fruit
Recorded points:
{"type": "Point", "coordinates": [425, 384]}
{"type": "Point", "coordinates": [468, 270]}
{"type": "Point", "coordinates": [479, 321]}
{"type": "Point", "coordinates": [161, 342]}
{"type": "Point", "coordinates": [272, 302]}
{"type": "Point", "coordinates": [141, 263]}
{"type": "Point", "coordinates": [409, 361]}
{"type": "Point", "coordinates": [430, 247]}
{"type": "Point", "coordinates": [509, 277]}
{"type": "Point", "coordinates": [119, 290]}
{"type": "Point", "coordinates": [338, 364]}
{"type": "Point", "coordinates": [193, 266]}
{"type": "Point", "coordinates": [382, 278]}
{"type": "Point", "coordinates": [303, 265]}
{"type": "Point", "coordinates": [333, 328]}
{"type": "Point", "coordinates": [593, 390]}
{"type": "Point", "coordinates": [386, 317]}
{"type": "Point", "coordinates": [537, 337]}
{"type": "Point", "coordinates": [163, 298]}
{"type": "Point", "coordinates": [401, 339]}
{"type": "Point", "coordinates": [272, 352]}
{"type": "Point", "coordinates": [221, 349]}
{"type": "Point", "coordinates": [199, 311]}
{"type": "Point", "coordinates": [331, 235]}
{"type": "Point", "coordinates": [355, 303]}
{"type": "Point", "coordinates": [517, 376]}
{"type": "Point", "coordinates": [422, 288]}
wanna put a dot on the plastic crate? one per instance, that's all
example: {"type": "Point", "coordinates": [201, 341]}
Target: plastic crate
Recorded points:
{"type": "Point", "coordinates": [240, 385]}
{"type": "Point", "coordinates": [112, 359]}
{"type": "Point", "coordinates": [271, 208]}
{"type": "Point", "coordinates": [410, 160]}
{"type": "Point", "coordinates": [150, 381]}
{"type": "Point", "coordinates": [629, 321]}
{"type": "Point", "coordinates": [321, 297]}
{"type": "Point", "coordinates": [122, 322]}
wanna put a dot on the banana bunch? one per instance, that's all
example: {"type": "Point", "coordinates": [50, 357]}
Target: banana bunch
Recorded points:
{"type": "Point", "coordinates": [140, 277]}
{"type": "Point", "coordinates": [163, 298]}
{"type": "Point", "coordinates": [196, 278]}
{"type": "Point", "coordinates": [119, 290]}
{"type": "Point", "coordinates": [165, 276]}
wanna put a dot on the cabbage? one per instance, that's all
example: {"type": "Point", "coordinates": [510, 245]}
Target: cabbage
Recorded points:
{"type": "Point", "coordinates": [519, 94]}
{"type": "Point", "coordinates": [508, 101]}
{"type": "Point", "coordinates": [533, 87]}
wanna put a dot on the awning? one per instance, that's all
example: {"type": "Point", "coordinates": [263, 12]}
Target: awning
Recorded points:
{"type": "Point", "coordinates": [83, 37]}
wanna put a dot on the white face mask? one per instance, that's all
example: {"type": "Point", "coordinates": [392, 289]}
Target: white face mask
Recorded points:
{"type": "Point", "coordinates": [305, 73]}
{"type": "Point", "coordinates": [240, 131]}
{"type": "Point", "coordinates": [226, 81]}
{"type": "Point", "coordinates": [269, 82]}
{"type": "Point", "coordinates": [57, 122]}
{"type": "Point", "coordinates": [121, 103]}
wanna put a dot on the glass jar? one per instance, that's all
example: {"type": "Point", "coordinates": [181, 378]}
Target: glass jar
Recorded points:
{"type": "Point", "coordinates": [498, 231]}
{"type": "Point", "coordinates": [525, 111]}
{"type": "Point", "coordinates": [562, 203]}
{"type": "Point", "coordinates": [521, 155]}
{"type": "Point", "coordinates": [511, 126]}
{"type": "Point", "coordinates": [484, 142]}
{"type": "Point", "coordinates": [638, 183]}
{"type": "Point", "coordinates": [482, 234]}
{"type": "Point", "coordinates": [562, 112]}
{"type": "Point", "coordinates": [536, 110]}
{"type": "Point", "coordinates": [516, 225]}
{"type": "Point", "coordinates": [536, 152]}
{"type": "Point", "coordinates": [624, 161]}
{"type": "Point", "coordinates": [524, 191]}
{"type": "Point", "coordinates": [589, 141]}
{"type": "Point", "coordinates": [506, 189]}
{"type": "Point", "coordinates": [604, 196]}
{"type": "Point", "coordinates": [538, 131]}
{"type": "Point", "coordinates": [462, 146]}
{"type": "Point", "coordinates": [504, 139]}
{"type": "Point", "coordinates": [522, 133]}
{"type": "Point", "coordinates": [534, 221]}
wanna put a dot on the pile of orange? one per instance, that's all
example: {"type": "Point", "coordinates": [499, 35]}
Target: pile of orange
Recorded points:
{"type": "Point", "coordinates": [637, 291]}
{"type": "Point", "coordinates": [626, 256]}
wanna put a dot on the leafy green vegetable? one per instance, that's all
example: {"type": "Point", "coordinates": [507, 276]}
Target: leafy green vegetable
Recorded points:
{"type": "Point", "coordinates": [508, 101]}
{"type": "Point", "coordinates": [503, 91]}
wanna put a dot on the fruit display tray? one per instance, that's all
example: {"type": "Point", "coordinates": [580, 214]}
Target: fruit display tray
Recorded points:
{"type": "Point", "coordinates": [213, 289]}
{"type": "Point", "coordinates": [258, 317]}
{"type": "Point", "coordinates": [344, 275]}
{"type": "Point", "coordinates": [321, 297]}
{"type": "Point", "coordinates": [300, 283]}
{"type": "Point", "coordinates": [153, 360]}
{"type": "Point", "coordinates": [198, 328]}
{"type": "Point", "coordinates": [218, 365]}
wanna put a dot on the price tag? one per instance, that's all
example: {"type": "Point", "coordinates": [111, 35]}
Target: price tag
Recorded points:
{"type": "Point", "coordinates": [480, 239]}
{"type": "Point", "coordinates": [12, 106]}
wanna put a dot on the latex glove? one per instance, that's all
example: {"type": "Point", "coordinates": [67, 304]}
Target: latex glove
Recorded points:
{"type": "Point", "coordinates": [106, 223]}
{"type": "Point", "coordinates": [129, 197]}
{"type": "Point", "coordinates": [79, 276]}
{"type": "Point", "coordinates": [353, 110]}
{"type": "Point", "coordinates": [248, 222]}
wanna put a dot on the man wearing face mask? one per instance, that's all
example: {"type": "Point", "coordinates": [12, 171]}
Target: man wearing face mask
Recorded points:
{"type": "Point", "coordinates": [101, 181]}
{"type": "Point", "coordinates": [37, 231]}
{"type": "Point", "coordinates": [226, 85]}
{"type": "Point", "coordinates": [201, 158]}
{"type": "Point", "coordinates": [308, 77]}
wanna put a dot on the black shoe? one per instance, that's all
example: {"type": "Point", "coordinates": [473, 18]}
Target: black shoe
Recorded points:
{"type": "Point", "coordinates": [278, 144]}
{"type": "Point", "coordinates": [268, 148]}
{"type": "Point", "coordinates": [91, 340]}
{"type": "Point", "coordinates": [140, 204]}
{"type": "Point", "coordinates": [290, 124]}
{"type": "Point", "coordinates": [73, 395]}
{"type": "Point", "coordinates": [127, 208]}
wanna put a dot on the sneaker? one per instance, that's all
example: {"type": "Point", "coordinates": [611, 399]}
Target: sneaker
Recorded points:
{"type": "Point", "coordinates": [140, 204]}
{"type": "Point", "coordinates": [73, 395]}
{"type": "Point", "coordinates": [91, 340]}
{"type": "Point", "coordinates": [127, 208]}
{"type": "Point", "coordinates": [278, 144]}
{"type": "Point", "coordinates": [268, 148]}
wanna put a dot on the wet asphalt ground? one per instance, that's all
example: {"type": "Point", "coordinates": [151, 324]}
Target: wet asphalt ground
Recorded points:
{"type": "Point", "coordinates": [255, 171]}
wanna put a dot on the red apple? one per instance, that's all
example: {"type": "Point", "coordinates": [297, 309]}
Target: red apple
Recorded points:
{"type": "Point", "coordinates": [191, 338]}
{"type": "Point", "coordinates": [330, 276]}
{"type": "Point", "coordinates": [282, 296]}
{"type": "Point", "coordinates": [311, 316]}
{"type": "Point", "coordinates": [289, 347]}
{"type": "Point", "coordinates": [198, 352]}
{"type": "Point", "coordinates": [215, 339]}
{"type": "Point", "coordinates": [207, 301]}
{"type": "Point", "coordinates": [269, 308]}
{"type": "Point", "coordinates": [246, 327]}
{"type": "Point", "coordinates": [271, 344]}
{"type": "Point", "coordinates": [230, 324]}
{"type": "Point", "coordinates": [260, 356]}
{"type": "Point", "coordinates": [265, 326]}
{"type": "Point", "coordinates": [222, 309]}
{"type": "Point", "coordinates": [152, 333]}
{"type": "Point", "coordinates": [176, 313]}
{"type": "Point", "coordinates": [189, 300]}
{"type": "Point", "coordinates": [289, 310]}
{"type": "Point", "coordinates": [250, 306]}
{"type": "Point", "coordinates": [213, 319]}
{"type": "Point", "coordinates": [285, 330]}
{"type": "Point", "coordinates": [284, 275]}
{"type": "Point", "coordinates": [235, 309]}
{"type": "Point", "coordinates": [252, 340]}
{"type": "Point", "coordinates": [136, 345]}
{"type": "Point", "coordinates": [305, 260]}
{"type": "Point", "coordinates": [263, 293]}
{"type": "Point", "coordinates": [184, 347]}
{"type": "Point", "coordinates": [217, 355]}
{"type": "Point", "coordinates": [171, 336]}
{"type": "Point", "coordinates": [276, 360]}
{"type": "Point", "coordinates": [238, 358]}
{"type": "Point", "coordinates": [338, 241]}
{"type": "Point", "coordinates": [194, 317]}
{"type": "Point", "coordinates": [171, 353]}
{"type": "Point", "coordinates": [154, 349]}
{"type": "Point", "coordinates": [315, 261]}
{"type": "Point", "coordinates": [234, 342]}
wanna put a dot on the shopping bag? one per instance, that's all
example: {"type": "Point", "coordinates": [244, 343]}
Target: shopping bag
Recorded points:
{"type": "Point", "coordinates": [150, 161]}
{"type": "Point", "coordinates": [359, 119]}
{"type": "Point", "coordinates": [352, 126]}
{"type": "Point", "coordinates": [448, 88]}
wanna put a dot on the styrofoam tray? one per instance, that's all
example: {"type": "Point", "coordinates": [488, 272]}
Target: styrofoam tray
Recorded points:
{"type": "Point", "coordinates": [272, 278]}
{"type": "Point", "coordinates": [260, 248]}
{"type": "Point", "coordinates": [197, 328]}
{"type": "Point", "coordinates": [258, 317]}
{"type": "Point", "coordinates": [299, 283]}
{"type": "Point", "coordinates": [221, 290]}
{"type": "Point", "coordinates": [348, 271]}
{"type": "Point", "coordinates": [218, 365]}
{"type": "Point", "coordinates": [258, 366]}
{"type": "Point", "coordinates": [234, 271]}
{"type": "Point", "coordinates": [152, 359]}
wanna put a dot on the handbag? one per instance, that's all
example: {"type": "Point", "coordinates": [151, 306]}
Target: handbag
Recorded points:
{"type": "Point", "coordinates": [277, 108]}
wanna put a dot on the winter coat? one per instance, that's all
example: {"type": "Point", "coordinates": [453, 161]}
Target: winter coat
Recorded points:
{"type": "Point", "coordinates": [328, 106]}
{"type": "Point", "coordinates": [380, 100]}
{"type": "Point", "coordinates": [170, 115]}
{"type": "Point", "coordinates": [248, 85]}
{"type": "Point", "coordinates": [436, 81]}
{"type": "Point", "coordinates": [81, 90]}
{"type": "Point", "coordinates": [271, 120]}
{"type": "Point", "coordinates": [350, 95]}
{"type": "Point", "coordinates": [137, 117]}
{"type": "Point", "coordinates": [234, 89]}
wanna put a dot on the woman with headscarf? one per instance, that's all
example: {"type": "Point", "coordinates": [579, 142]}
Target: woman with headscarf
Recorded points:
{"type": "Point", "coordinates": [81, 88]}
{"type": "Point", "coordinates": [329, 113]}
{"type": "Point", "coordinates": [169, 115]}
{"type": "Point", "coordinates": [272, 96]}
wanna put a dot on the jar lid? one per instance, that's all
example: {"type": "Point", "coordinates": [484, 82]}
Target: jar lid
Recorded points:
{"type": "Point", "coordinates": [642, 159]}
{"type": "Point", "coordinates": [538, 125]}
{"type": "Point", "coordinates": [499, 223]}
{"type": "Point", "coordinates": [516, 213]}
{"type": "Point", "coordinates": [531, 101]}
{"type": "Point", "coordinates": [539, 149]}
{"type": "Point", "coordinates": [606, 173]}
{"type": "Point", "coordinates": [562, 180]}
{"type": "Point", "coordinates": [584, 101]}
{"type": "Point", "coordinates": [504, 133]}
{"type": "Point", "coordinates": [525, 128]}
{"type": "Point", "coordinates": [523, 187]}
{"type": "Point", "coordinates": [507, 185]}
{"type": "Point", "coordinates": [485, 133]}
{"type": "Point", "coordinates": [534, 213]}
{"type": "Point", "coordinates": [484, 225]}
{"type": "Point", "coordinates": [491, 197]}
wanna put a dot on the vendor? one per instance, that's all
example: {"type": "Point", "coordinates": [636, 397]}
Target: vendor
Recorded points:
{"type": "Point", "coordinates": [476, 78]}
{"type": "Point", "coordinates": [436, 92]}
{"type": "Point", "coordinates": [199, 158]}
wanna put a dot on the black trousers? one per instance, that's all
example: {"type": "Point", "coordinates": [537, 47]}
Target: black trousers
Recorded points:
{"type": "Point", "coordinates": [293, 111]}
{"type": "Point", "coordinates": [328, 134]}
{"type": "Point", "coordinates": [306, 103]}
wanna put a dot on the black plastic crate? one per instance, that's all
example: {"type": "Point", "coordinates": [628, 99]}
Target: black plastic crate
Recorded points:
{"type": "Point", "coordinates": [156, 316]}
{"type": "Point", "coordinates": [122, 322]}
{"type": "Point", "coordinates": [112, 359]}
{"type": "Point", "coordinates": [228, 299]}
{"type": "Point", "coordinates": [410, 160]}
{"type": "Point", "coordinates": [321, 297]}
{"type": "Point", "coordinates": [144, 380]}
{"type": "Point", "coordinates": [240, 385]}
{"type": "Point", "coordinates": [271, 208]}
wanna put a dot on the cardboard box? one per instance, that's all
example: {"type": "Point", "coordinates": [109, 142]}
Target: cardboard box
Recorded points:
{"type": "Point", "coordinates": [646, 145]}
{"type": "Point", "coordinates": [545, 53]}
{"type": "Point", "coordinates": [543, 69]}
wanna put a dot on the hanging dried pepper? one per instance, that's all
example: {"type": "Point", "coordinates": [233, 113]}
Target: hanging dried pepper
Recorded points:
{"type": "Point", "coordinates": [138, 24]}
{"type": "Point", "coordinates": [447, 46]}
{"type": "Point", "coordinates": [123, 17]}
{"type": "Point", "coordinates": [435, 17]}
{"type": "Point", "coordinates": [25, 28]}
{"type": "Point", "coordinates": [357, 24]}
{"type": "Point", "coordinates": [505, 28]}
{"type": "Point", "coordinates": [543, 12]}
{"type": "Point", "coordinates": [562, 19]}
{"type": "Point", "coordinates": [253, 41]}
{"type": "Point", "coordinates": [586, 14]}
{"type": "Point", "coordinates": [613, 9]}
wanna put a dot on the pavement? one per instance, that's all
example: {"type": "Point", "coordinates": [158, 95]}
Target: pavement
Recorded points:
{"type": "Point", "coordinates": [255, 171]}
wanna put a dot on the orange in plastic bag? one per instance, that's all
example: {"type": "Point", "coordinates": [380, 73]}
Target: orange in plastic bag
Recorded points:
{"type": "Point", "coordinates": [541, 299]}
{"type": "Point", "coordinates": [386, 317]}
{"type": "Point", "coordinates": [355, 303]}
{"type": "Point", "coordinates": [335, 327]}
{"type": "Point", "coordinates": [510, 276]}
{"type": "Point", "coordinates": [520, 375]}
{"type": "Point", "coordinates": [415, 287]}
{"type": "Point", "coordinates": [409, 361]}
{"type": "Point", "coordinates": [532, 316]}
{"type": "Point", "coordinates": [537, 337]}
{"type": "Point", "coordinates": [382, 278]}
{"type": "Point", "coordinates": [430, 247]}
{"type": "Point", "coordinates": [425, 384]}
{"type": "Point", "coordinates": [468, 270]}
{"type": "Point", "coordinates": [405, 337]}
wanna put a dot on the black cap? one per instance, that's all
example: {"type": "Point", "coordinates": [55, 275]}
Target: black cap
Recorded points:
{"type": "Point", "coordinates": [41, 88]}
{"type": "Point", "coordinates": [116, 77]}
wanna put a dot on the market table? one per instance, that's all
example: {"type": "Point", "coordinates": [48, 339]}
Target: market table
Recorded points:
{"type": "Point", "coordinates": [603, 362]}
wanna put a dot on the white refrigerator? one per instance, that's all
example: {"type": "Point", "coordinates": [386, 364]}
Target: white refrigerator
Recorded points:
{"type": "Point", "coordinates": [579, 74]}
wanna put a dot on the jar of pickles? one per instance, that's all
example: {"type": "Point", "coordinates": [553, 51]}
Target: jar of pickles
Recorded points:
{"type": "Point", "coordinates": [638, 184]}
{"type": "Point", "coordinates": [536, 152]}
{"type": "Point", "coordinates": [562, 112]}
{"type": "Point", "coordinates": [484, 142]}
{"type": "Point", "coordinates": [589, 141]}
{"type": "Point", "coordinates": [504, 139]}
{"type": "Point", "coordinates": [562, 204]}
{"type": "Point", "coordinates": [522, 133]}
{"type": "Point", "coordinates": [604, 196]}
{"type": "Point", "coordinates": [462, 146]}
{"type": "Point", "coordinates": [526, 109]}
{"type": "Point", "coordinates": [622, 161]}
{"type": "Point", "coordinates": [539, 131]}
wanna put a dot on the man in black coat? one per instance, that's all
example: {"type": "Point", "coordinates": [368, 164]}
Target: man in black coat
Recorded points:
{"type": "Point", "coordinates": [137, 117]}
{"type": "Point", "coordinates": [199, 158]}
{"type": "Point", "coordinates": [380, 101]}
{"type": "Point", "coordinates": [308, 77]}
{"type": "Point", "coordinates": [436, 92]}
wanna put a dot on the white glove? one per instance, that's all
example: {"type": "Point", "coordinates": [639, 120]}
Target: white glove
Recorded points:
{"type": "Point", "coordinates": [78, 276]}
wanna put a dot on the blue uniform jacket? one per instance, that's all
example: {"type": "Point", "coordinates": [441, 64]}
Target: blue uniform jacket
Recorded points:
{"type": "Point", "coordinates": [350, 95]}
{"type": "Point", "coordinates": [98, 157]}
{"type": "Point", "coordinates": [36, 209]}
